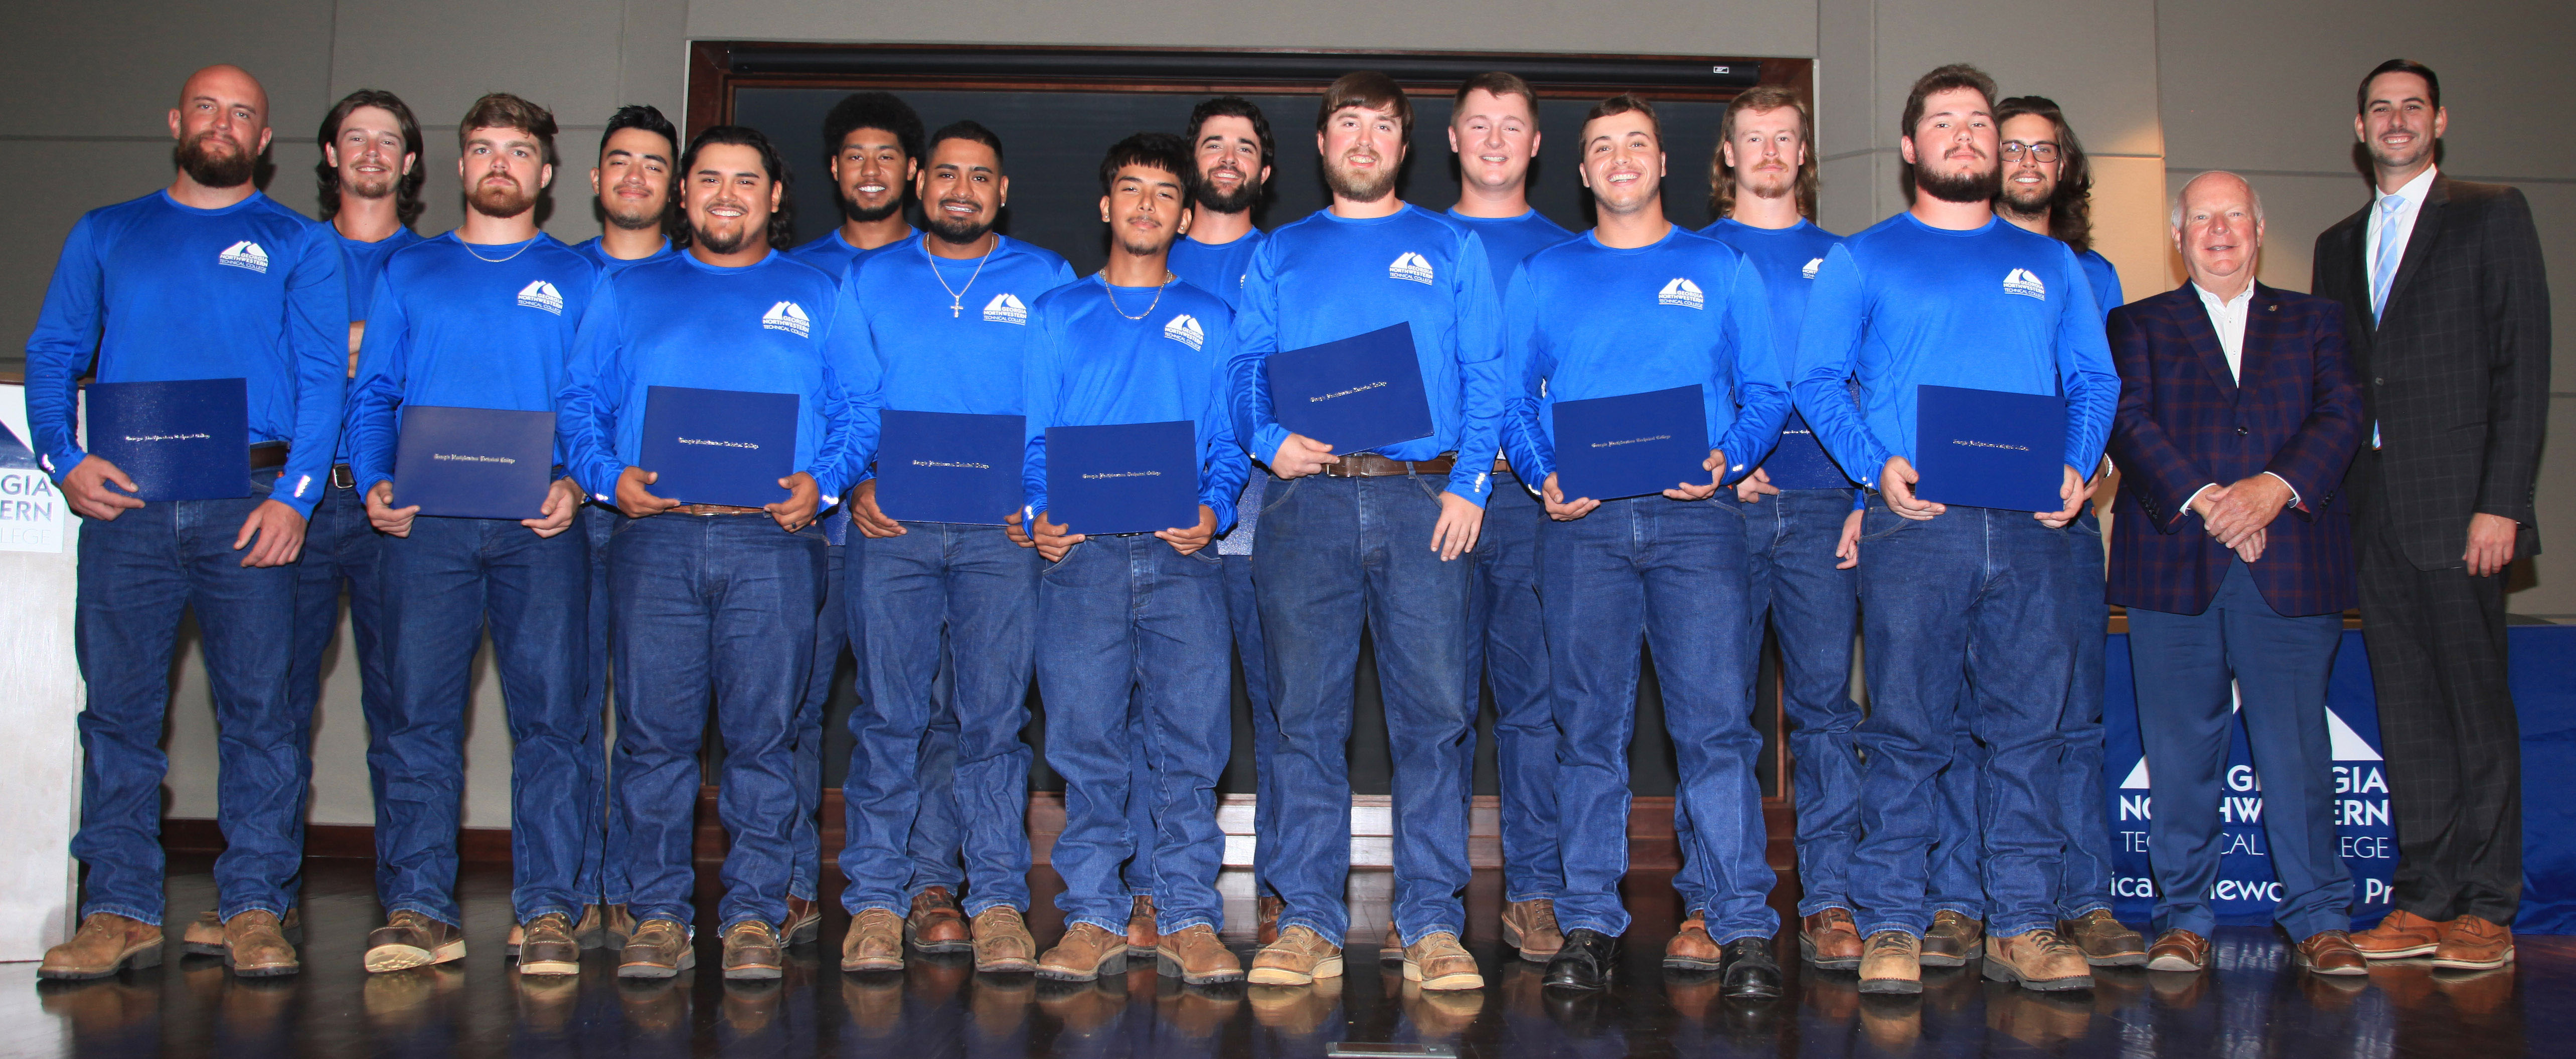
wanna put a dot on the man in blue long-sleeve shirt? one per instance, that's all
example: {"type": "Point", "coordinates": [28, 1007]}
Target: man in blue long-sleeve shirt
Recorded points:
{"type": "Point", "coordinates": [712, 599]}
{"type": "Point", "coordinates": [1135, 622]}
{"type": "Point", "coordinates": [1960, 605]}
{"type": "Point", "coordinates": [1640, 304]}
{"type": "Point", "coordinates": [1371, 538]}
{"type": "Point", "coordinates": [208, 279]}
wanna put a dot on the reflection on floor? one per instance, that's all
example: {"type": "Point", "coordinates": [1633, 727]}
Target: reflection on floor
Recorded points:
{"type": "Point", "coordinates": [2252, 1005]}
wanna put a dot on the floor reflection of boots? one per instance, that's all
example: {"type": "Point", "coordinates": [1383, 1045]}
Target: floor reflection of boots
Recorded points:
{"type": "Point", "coordinates": [256, 1009]}
{"type": "Point", "coordinates": [106, 1016]}
{"type": "Point", "coordinates": [546, 1002]}
{"type": "Point", "coordinates": [1833, 996]}
{"type": "Point", "coordinates": [999, 1003]}
{"type": "Point", "coordinates": [1892, 1022]}
{"type": "Point", "coordinates": [750, 1005]}
{"type": "Point", "coordinates": [2408, 984]}
{"type": "Point", "coordinates": [1080, 1009]}
{"type": "Point", "coordinates": [874, 1003]}
{"type": "Point", "coordinates": [654, 1006]}
{"type": "Point", "coordinates": [2179, 990]}
{"type": "Point", "coordinates": [2331, 992]}
{"type": "Point", "coordinates": [1196, 1012]}
{"type": "Point", "coordinates": [1295, 1010]}
{"type": "Point", "coordinates": [395, 1000]}
{"type": "Point", "coordinates": [2476, 993]}
{"type": "Point", "coordinates": [2041, 1020]}
{"type": "Point", "coordinates": [1441, 1014]}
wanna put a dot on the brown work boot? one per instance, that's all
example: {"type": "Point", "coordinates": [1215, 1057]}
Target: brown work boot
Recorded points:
{"type": "Point", "coordinates": [659, 948]}
{"type": "Point", "coordinates": [1142, 936]}
{"type": "Point", "coordinates": [592, 929]}
{"type": "Point", "coordinates": [804, 921]}
{"type": "Point", "coordinates": [2037, 959]}
{"type": "Point", "coordinates": [1691, 949]}
{"type": "Point", "coordinates": [1085, 953]}
{"type": "Point", "coordinates": [1953, 940]}
{"type": "Point", "coordinates": [2179, 950]}
{"type": "Point", "coordinates": [874, 943]}
{"type": "Point", "coordinates": [1829, 940]}
{"type": "Point", "coordinates": [1197, 957]}
{"type": "Point", "coordinates": [407, 940]}
{"type": "Point", "coordinates": [751, 951]}
{"type": "Point", "coordinates": [204, 935]}
{"type": "Point", "coordinates": [549, 945]}
{"type": "Point", "coordinates": [2102, 939]}
{"type": "Point", "coordinates": [1002, 943]}
{"type": "Point", "coordinates": [2331, 952]}
{"type": "Point", "coordinates": [616, 927]}
{"type": "Point", "coordinates": [1891, 961]}
{"type": "Point", "coordinates": [2403, 934]}
{"type": "Point", "coordinates": [105, 944]}
{"type": "Point", "coordinates": [2474, 944]}
{"type": "Point", "coordinates": [1530, 926]}
{"type": "Point", "coordinates": [1298, 958]}
{"type": "Point", "coordinates": [1266, 911]}
{"type": "Point", "coordinates": [1390, 953]}
{"type": "Point", "coordinates": [935, 924]}
{"type": "Point", "coordinates": [1440, 963]}
{"type": "Point", "coordinates": [255, 946]}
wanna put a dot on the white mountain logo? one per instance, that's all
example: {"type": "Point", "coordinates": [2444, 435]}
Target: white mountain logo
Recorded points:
{"type": "Point", "coordinates": [245, 254]}
{"type": "Point", "coordinates": [1410, 265]}
{"type": "Point", "coordinates": [1185, 330]}
{"type": "Point", "coordinates": [1813, 264]}
{"type": "Point", "coordinates": [1681, 292]}
{"type": "Point", "coordinates": [539, 294]}
{"type": "Point", "coordinates": [2344, 744]}
{"type": "Point", "coordinates": [1005, 308]}
{"type": "Point", "coordinates": [2021, 282]}
{"type": "Point", "coordinates": [789, 317]}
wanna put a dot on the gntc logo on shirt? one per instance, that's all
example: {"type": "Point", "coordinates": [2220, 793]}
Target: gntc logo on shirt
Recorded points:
{"type": "Point", "coordinates": [789, 317]}
{"type": "Point", "coordinates": [1681, 292]}
{"type": "Point", "coordinates": [1185, 330]}
{"type": "Point", "coordinates": [1005, 308]}
{"type": "Point", "coordinates": [1813, 264]}
{"type": "Point", "coordinates": [1410, 265]}
{"type": "Point", "coordinates": [539, 294]}
{"type": "Point", "coordinates": [245, 254]}
{"type": "Point", "coordinates": [2021, 282]}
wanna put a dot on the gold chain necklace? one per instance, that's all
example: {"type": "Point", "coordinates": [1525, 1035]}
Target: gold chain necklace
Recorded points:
{"type": "Point", "coordinates": [1112, 288]}
{"type": "Point", "coordinates": [957, 295]}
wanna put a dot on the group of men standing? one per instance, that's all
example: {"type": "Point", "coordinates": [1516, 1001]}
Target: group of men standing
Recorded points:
{"type": "Point", "coordinates": [1956, 819]}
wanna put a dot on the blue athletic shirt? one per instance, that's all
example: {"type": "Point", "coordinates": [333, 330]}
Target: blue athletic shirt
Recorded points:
{"type": "Point", "coordinates": [464, 326]}
{"type": "Point", "coordinates": [678, 321]}
{"type": "Point", "coordinates": [1788, 259]}
{"type": "Point", "coordinates": [161, 292]}
{"type": "Point", "coordinates": [610, 266]}
{"type": "Point", "coordinates": [1217, 268]}
{"type": "Point", "coordinates": [1092, 366]}
{"type": "Point", "coordinates": [1994, 308]}
{"type": "Point", "coordinates": [900, 344]}
{"type": "Point", "coordinates": [1511, 240]}
{"type": "Point", "coordinates": [362, 262]}
{"type": "Point", "coordinates": [1586, 320]}
{"type": "Point", "coordinates": [833, 254]}
{"type": "Point", "coordinates": [1325, 278]}
{"type": "Point", "coordinates": [2105, 281]}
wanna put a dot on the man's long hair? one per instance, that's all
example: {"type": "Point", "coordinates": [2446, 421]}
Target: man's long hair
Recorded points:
{"type": "Point", "coordinates": [782, 221]}
{"type": "Point", "coordinates": [1762, 98]}
{"type": "Point", "coordinates": [2070, 208]}
{"type": "Point", "coordinates": [326, 177]}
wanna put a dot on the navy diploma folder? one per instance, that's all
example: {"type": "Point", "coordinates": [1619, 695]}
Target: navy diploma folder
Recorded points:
{"type": "Point", "coordinates": [181, 440]}
{"type": "Point", "coordinates": [1130, 478]}
{"type": "Point", "coordinates": [1800, 460]}
{"type": "Point", "coordinates": [1632, 445]}
{"type": "Point", "coordinates": [719, 446]}
{"type": "Point", "coordinates": [474, 462]}
{"type": "Point", "coordinates": [1988, 448]}
{"type": "Point", "coordinates": [950, 466]}
{"type": "Point", "coordinates": [1354, 394]}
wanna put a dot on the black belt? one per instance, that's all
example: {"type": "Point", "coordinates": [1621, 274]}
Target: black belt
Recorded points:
{"type": "Point", "coordinates": [265, 456]}
{"type": "Point", "coordinates": [1372, 465]}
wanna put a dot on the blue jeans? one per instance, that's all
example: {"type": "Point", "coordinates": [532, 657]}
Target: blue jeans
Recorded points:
{"type": "Point", "coordinates": [936, 859]}
{"type": "Point", "coordinates": [1338, 554]}
{"type": "Point", "coordinates": [1507, 646]}
{"type": "Point", "coordinates": [2084, 884]}
{"type": "Point", "coordinates": [1124, 614]}
{"type": "Point", "coordinates": [605, 856]}
{"type": "Point", "coordinates": [831, 635]}
{"type": "Point", "coordinates": [138, 574]}
{"type": "Point", "coordinates": [981, 589]}
{"type": "Point", "coordinates": [1243, 612]}
{"type": "Point", "coordinates": [2281, 666]}
{"type": "Point", "coordinates": [1958, 882]}
{"type": "Point", "coordinates": [453, 577]}
{"type": "Point", "coordinates": [721, 606]}
{"type": "Point", "coordinates": [1965, 620]}
{"type": "Point", "coordinates": [340, 549]}
{"type": "Point", "coordinates": [1673, 573]}
{"type": "Point", "coordinates": [1790, 539]}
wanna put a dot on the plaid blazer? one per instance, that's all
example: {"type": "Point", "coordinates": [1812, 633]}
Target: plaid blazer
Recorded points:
{"type": "Point", "coordinates": [2184, 422]}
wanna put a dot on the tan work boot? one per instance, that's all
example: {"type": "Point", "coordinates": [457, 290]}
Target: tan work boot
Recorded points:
{"type": "Point", "coordinates": [1390, 953]}
{"type": "Point", "coordinates": [659, 948]}
{"type": "Point", "coordinates": [1830, 940]}
{"type": "Point", "coordinates": [804, 922]}
{"type": "Point", "coordinates": [2401, 935]}
{"type": "Point", "coordinates": [1440, 963]}
{"type": "Point", "coordinates": [1002, 942]}
{"type": "Point", "coordinates": [256, 947]}
{"type": "Point", "coordinates": [935, 924]}
{"type": "Point", "coordinates": [1691, 949]}
{"type": "Point", "coordinates": [2037, 959]}
{"type": "Point", "coordinates": [2474, 944]}
{"type": "Point", "coordinates": [1298, 958]}
{"type": "Point", "coordinates": [874, 943]}
{"type": "Point", "coordinates": [409, 939]}
{"type": "Point", "coordinates": [1266, 911]}
{"type": "Point", "coordinates": [548, 945]}
{"type": "Point", "coordinates": [1892, 962]}
{"type": "Point", "coordinates": [1197, 956]}
{"type": "Point", "coordinates": [204, 935]}
{"type": "Point", "coordinates": [1085, 953]}
{"type": "Point", "coordinates": [751, 951]}
{"type": "Point", "coordinates": [1953, 940]}
{"type": "Point", "coordinates": [105, 944]}
{"type": "Point", "coordinates": [1142, 935]}
{"type": "Point", "coordinates": [1530, 926]}
{"type": "Point", "coordinates": [2103, 940]}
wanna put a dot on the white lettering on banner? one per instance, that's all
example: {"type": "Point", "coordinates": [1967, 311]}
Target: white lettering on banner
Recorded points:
{"type": "Point", "coordinates": [2354, 812]}
{"type": "Point", "coordinates": [2236, 810]}
{"type": "Point", "coordinates": [2132, 886]}
{"type": "Point", "coordinates": [2134, 807]}
{"type": "Point", "coordinates": [2249, 843]}
{"type": "Point", "coordinates": [2242, 778]}
{"type": "Point", "coordinates": [2246, 890]}
{"type": "Point", "coordinates": [2377, 892]}
{"type": "Point", "coordinates": [2133, 841]}
{"type": "Point", "coordinates": [31, 512]}
{"type": "Point", "coordinates": [2366, 847]}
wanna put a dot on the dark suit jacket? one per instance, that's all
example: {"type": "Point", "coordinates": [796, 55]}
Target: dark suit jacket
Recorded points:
{"type": "Point", "coordinates": [2456, 372]}
{"type": "Point", "coordinates": [2184, 423]}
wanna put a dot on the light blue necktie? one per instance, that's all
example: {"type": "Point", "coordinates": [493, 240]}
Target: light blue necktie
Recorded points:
{"type": "Point", "coordinates": [2387, 269]}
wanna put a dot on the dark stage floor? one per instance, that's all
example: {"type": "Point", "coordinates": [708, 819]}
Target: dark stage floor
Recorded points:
{"type": "Point", "coordinates": [2253, 1005]}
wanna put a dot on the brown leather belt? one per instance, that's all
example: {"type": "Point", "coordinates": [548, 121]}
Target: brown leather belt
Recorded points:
{"type": "Point", "coordinates": [1501, 465]}
{"type": "Point", "coordinates": [1372, 465]}
{"type": "Point", "coordinates": [263, 457]}
{"type": "Point", "coordinates": [714, 509]}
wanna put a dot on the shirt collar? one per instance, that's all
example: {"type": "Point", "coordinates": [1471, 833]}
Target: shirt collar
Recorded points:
{"type": "Point", "coordinates": [2211, 300]}
{"type": "Point", "coordinates": [2412, 194]}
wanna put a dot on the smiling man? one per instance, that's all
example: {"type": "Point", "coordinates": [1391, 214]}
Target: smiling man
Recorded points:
{"type": "Point", "coordinates": [875, 144]}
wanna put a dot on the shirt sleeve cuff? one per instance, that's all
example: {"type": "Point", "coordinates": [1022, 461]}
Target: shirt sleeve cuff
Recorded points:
{"type": "Point", "coordinates": [2295, 499]}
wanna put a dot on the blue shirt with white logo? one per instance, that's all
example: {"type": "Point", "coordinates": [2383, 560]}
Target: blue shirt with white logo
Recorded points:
{"type": "Point", "coordinates": [154, 291]}
{"type": "Point", "coordinates": [1511, 240]}
{"type": "Point", "coordinates": [610, 266]}
{"type": "Point", "coordinates": [834, 254]}
{"type": "Point", "coordinates": [923, 333]}
{"type": "Point", "coordinates": [1586, 320]}
{"type": "Point", "coordinates": [1219, 268]}
{"type": "Point", "coordinates": [361, 262]}
{"type": "Point", "coordinates": [2105, 281]}
{"type": "Point", "coordinates": [464, 326]}
{"type": "Point", "coordinates": [1904, 304]}
{"type": "Point", "coordinates": [1325, 278]}
{"type": "Point", "coordinates": [1788, 259]}
{"type": "Point", "coordinates": [1093, 366]}
{"type": "Point", "coordinates": [678, 321]}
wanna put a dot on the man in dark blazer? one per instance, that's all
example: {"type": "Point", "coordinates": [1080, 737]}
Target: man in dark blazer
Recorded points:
{"type": "Point", "coordinates": [2448, 311]}
{"type": "Point", "coordinates": [2237, 407]}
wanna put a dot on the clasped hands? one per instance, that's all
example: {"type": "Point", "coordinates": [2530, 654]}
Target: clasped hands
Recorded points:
{"type": "Point", "coordinates": [2238, 514]}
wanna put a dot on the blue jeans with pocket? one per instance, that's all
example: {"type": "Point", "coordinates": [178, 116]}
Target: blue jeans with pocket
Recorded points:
{"type": "Point", "coordinates": [340, 551]}
{"type": "Point", "coordinates": [721, 608]}
{"type": "Point", "coordinates": [1794, 586]}
{"type": "Point", "coordinates": [2085, 883]}
{"type": "Point", "coordinates": [831, 636]}
{"type": "Point", "coordinates": [1507, 648]}
{"type": "Point", "coordinates": [604, 873]}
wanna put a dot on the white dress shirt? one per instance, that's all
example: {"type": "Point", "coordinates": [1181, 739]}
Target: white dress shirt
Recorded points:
{"type": "Point", "coordinates": [2411, 202]}
{"type": "Point", "coordinates": [2228, 319]}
